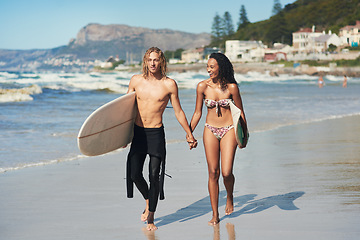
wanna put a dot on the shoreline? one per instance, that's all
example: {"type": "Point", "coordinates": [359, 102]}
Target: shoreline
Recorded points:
{"type": "Point", "coordinates": [272, 69]}
{"type": "Point", "coordinates": [275, 69]}
{"type": "Point", "coordinates": [80, 156]}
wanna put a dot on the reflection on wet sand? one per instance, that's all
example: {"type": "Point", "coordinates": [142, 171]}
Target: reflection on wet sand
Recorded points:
{"type": "Point", "coordinates": [230, 228]}
{"type": "Point", "coordinates": [150, 235]}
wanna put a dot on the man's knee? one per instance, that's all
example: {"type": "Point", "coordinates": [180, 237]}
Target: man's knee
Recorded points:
{"type": "Point", "coordinates": [136, 177]}
{"type": "Point", "coordinates": [154, 177]}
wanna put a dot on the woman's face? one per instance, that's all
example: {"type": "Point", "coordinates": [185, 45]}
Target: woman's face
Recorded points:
{"type": "Point", "coordinates": [213, 68]}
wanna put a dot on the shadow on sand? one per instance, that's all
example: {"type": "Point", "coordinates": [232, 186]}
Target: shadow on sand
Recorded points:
{"type": "Point", "coordinates": [246, 203]}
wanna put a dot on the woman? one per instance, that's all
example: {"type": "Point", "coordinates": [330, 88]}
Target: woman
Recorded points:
{"type": "Point", "coordinates": [219, 137]}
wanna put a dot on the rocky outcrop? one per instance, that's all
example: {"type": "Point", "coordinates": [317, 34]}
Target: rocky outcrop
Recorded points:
{"type": "Point", "coordinates": [100, 41]}
{"type": "Point", "coordinates": [164, 38]}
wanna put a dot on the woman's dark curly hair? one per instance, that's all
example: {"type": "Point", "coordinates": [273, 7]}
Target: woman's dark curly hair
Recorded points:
{"type": "Point", "coordinates": [226, 70]}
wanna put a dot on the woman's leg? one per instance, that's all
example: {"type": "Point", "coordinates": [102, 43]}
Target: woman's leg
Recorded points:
{"type": "Point", "coordinates": [212, 152]}
{"type": "Point", "coordinates": [228, 148]}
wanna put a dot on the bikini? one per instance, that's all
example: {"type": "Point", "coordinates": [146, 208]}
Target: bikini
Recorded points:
{"type": "Point", "coordinates": [219, 132]}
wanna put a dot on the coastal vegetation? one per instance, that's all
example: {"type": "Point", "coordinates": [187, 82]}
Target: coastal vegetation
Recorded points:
{"type": "Point", "coordinates": [324, 14]}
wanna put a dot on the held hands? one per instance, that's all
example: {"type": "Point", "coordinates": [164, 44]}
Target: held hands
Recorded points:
{"type": "Point", "coordinates": [191, 141]}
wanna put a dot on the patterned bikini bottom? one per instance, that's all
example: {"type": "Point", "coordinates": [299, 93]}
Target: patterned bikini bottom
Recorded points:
{"type": "Point", "coordinates": [219, 132]}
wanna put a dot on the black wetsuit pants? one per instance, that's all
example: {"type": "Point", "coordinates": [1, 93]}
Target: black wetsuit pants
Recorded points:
{"type": "Point", "coordinates": [147, 141]}
{"type": "Point", "coordinates": [152, 192]}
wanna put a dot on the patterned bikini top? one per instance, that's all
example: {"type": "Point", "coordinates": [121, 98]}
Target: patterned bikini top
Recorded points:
{"type": "Point", "coordinates": [221, 103]}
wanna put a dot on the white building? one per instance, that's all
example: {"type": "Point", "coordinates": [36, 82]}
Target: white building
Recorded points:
{"type": "Point", "coordinates": [322, 43]}
{"type": "Point", "coordinates": [241, 51]}
{"type": "Point", "coordinates": [304, 38]}
{"type": "Point", "coordinates": [192, 55]}
{"type": "Point", "coordinates": [350, 35]}
{"type": "Point", "coordinates": [308, 40]}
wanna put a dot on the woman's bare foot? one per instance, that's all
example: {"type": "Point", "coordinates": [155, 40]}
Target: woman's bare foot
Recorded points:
{"type": "Point", "coordinates": [150, 222]}
{"type": "Point", "coordinates": [214, 221]}
{"type": "Point", "coordinates": [229, 208]}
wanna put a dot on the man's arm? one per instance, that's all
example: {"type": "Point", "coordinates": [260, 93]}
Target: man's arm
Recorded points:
{"type": "Point", "coordinates": [132, 84]}
{"type": "Point", "coordinates": [179, 113]}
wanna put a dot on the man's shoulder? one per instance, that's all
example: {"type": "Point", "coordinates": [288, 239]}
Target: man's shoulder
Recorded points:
{"type": "Point", "coordinates": [170, 82]}
{"type": "Point", "coordinates": [137, 77]}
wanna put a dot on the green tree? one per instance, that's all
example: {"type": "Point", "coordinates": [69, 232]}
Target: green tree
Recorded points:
{"type": "Point", "coordinates": [243, 20]}
{"type": "Point", "coordinates": [332, 48]}
{"type": "Point", "coordinates": [173, 54]}
{"type": "Point", "coordinates": [276, 30]}
{"type": "Point", "coordinates": [228, 24]}
{"type": "Point", "coordinates": [276, 8]}
{"type": "Point", "coordinates": [217, 30]}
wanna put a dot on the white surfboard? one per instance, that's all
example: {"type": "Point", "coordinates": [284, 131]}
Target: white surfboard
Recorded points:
{"type": "Point", "coordinates": [109, 127]}
{"type": "Point", "coordinates": [241, 131]}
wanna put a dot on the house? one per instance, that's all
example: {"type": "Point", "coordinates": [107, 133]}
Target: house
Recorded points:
{"type": "Point", "coordinates": [350, 35]}
{"type": "Point", "coordinates": [308, 40]}
{"type": "Point", "coordinates": [241, 51]}
{"type": "Point", "coordinates": [192, 55]}
{"type": "Point", "coordinates": [304, 38]}
{"type": "Point", "coordinates": [197, 55]}
{"type": "Point", "coordinates": [278, 52]}
{"type": "Point", "coordinates": [322, 43]}
{"type": "Point", "coordinates": [209, 51]}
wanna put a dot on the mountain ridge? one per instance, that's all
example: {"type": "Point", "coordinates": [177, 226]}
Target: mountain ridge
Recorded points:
{"type": "Point", "coordinates": [97, 42]}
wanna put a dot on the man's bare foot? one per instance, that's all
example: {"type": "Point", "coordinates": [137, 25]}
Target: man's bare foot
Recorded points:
{"type": "Point", "coordinates": [214, 221]}
{"type": "Point", "coordinates": [144, 215]}
{"type": "Point", "coordinates": [229, 208]}
{"type": "Point", "coordinates": [151, 227]}
{"type": "Point", "coordinates": [150, 220]}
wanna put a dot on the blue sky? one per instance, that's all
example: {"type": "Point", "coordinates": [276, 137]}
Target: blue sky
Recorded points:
{"type": "Point", "coordinates": [29, 24]}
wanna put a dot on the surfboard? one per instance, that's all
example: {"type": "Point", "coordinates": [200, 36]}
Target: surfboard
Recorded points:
{"type": "Point", "coordinates": [241, 131]}
{"type": "Point", "coordinates": [109, 127]}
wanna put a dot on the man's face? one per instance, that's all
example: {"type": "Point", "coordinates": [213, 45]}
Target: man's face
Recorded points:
{"type": "Point", "coordinates": [153, 62]}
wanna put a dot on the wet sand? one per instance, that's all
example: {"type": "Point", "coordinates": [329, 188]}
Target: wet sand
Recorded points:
{"type": "Point", "coordinates": [294, 182]}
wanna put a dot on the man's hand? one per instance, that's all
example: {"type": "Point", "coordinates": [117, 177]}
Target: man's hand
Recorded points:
{"type": "Point", "coordinates": [191, 141]}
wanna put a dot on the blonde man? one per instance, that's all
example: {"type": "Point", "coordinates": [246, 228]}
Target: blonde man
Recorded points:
{"type": "Point", "coordinates": [153, 92]}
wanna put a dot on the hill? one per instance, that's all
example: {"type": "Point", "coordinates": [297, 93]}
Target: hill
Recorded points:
{"type": "Point", "coordinates": [96, 41]}
{"type": "Point", "coordinates": [324, 14]}
{"type": "Point", "coordinates": [101, 41]}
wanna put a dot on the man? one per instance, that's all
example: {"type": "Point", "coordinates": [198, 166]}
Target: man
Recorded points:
{"type": "Point", "coordinates": [153, 92]}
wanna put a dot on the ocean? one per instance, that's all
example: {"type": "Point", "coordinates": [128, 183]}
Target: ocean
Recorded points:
{"type": "Point", "coordinates": [41, 113]}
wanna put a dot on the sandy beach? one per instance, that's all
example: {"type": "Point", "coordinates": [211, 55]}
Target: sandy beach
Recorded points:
{"type": "Point", "coordinates": [294, 182]}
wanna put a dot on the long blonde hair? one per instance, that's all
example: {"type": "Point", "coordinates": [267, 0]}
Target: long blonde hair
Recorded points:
{"type": "Point", "coordinates": [163, 67]}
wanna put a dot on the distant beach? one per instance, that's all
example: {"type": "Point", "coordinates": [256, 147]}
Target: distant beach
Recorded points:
{"type": "Point", "coordinates": [272, 69]}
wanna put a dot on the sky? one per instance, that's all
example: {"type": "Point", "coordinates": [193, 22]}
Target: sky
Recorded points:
{"type": "Point", "coordinates": [44, 24]}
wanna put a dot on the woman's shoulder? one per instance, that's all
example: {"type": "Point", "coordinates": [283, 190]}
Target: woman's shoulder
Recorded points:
{"type": "Point", "coordinates": [232, 86]}
{"type": "Point", "coordinates": [203, 84]}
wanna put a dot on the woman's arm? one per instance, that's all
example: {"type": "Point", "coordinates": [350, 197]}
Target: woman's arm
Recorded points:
{"type": "Point", "coordinates": [198, 105]}
{"type": "Point", "coordinates": [235, 93]}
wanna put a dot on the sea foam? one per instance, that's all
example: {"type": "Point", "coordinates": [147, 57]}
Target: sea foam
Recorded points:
{"type": "Point", "coordinates": [19, 94]}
